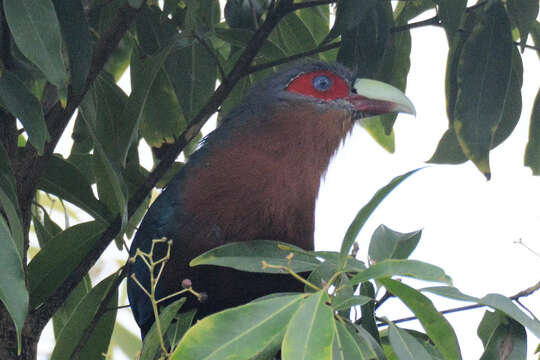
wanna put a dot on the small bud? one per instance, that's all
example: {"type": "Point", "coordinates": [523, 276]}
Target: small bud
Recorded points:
{"type": "Point", "coordinates": [290, 256]}
{"type": "Point", "coordinates": [186, 283]}
{"type": "Point", "coordinates": [203, 297]}
{"type": "Point", "coordinates": [264, 264]}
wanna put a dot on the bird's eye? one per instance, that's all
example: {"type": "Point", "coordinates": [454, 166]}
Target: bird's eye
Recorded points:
{"type": "Point", "coordinates": [322, 83]}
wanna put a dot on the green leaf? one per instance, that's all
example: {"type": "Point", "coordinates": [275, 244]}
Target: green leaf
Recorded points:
{"type": "Point", "coordinates": [162, 119]}
{"type": "Point", "coordinates": [490, 321]}
{"type": "Point", "coordinates": [180, 326]}
{"type": "Point", "coordinates": [66, 311]}
{"type": "Point", "coordinates": [483, 76]}
{"type": "Point", "coordinates": [317, 20]}
{"type": "Point", "coordinates": [350, 346]}
{"type": "Point", "coordinates": [405, 346]}
{"type": "Point", "coordinates": [496, 301]}
{"type": "Point", "coordinates": [355, 300]}
{"type": "Point", "coordinates": [523, 14]}
{"type": "Point", "coordinates": [293, 36]}
{"type": "Point", "coordinates": [310, 333]}
{"type": "Point", "coordinates": [508, 341]}
{"type": "Point", "coordinates": [532, 152]}
{"type": "Point", "coordinates": [151, 344]}
{"type": "Point", "coordinates": [53, 264]}
{"type": "Point", "coordinates": [76, 35]}
{"type": "Point", "coordinates": [349, 14]}
{"type": "Point", "coordinates": [9, 203]}
{"type": "Point", "coordinates": [411, 268]}
{"type": "Point", "coordinates": [192, 71]}
{"type": "Point", "coordinates": [363, 46]}
{"type": "Point", "coordinates": [154, 31]}
{"type": "Point", "coordinates": [102, 160]}
{"type": "Point", "coordinates": [389, 244]}
{"type": "Point", "coordinates": [367, 321]}
{"type": "Point", "coordinates": [449, 151]}
{"type": "Point", "coordinates": [20, 102]}
{"type": "Point", "coordinates": [244, 14]}
{"type": "Point", "coordinates": [66, 181]}
{"type": "Point", "coordinates": [35, 28]}
{"type": "Point", "coordinates": [13, 292]}
{"type": "Point", "coordinates": [375, 128]}
{"type": "Point", "coordinates": [249, 255]}
{"type": "Point", "coordinates": [450, 13]}
{"type": "Point", "coordinates": [320, 275]}
{"type": "Point", "coordinates": [407, 10]}
{"type": "Point", "coordinates": [437, 327]}
{"type": "Point", "coordinates": [125, 340]}
{"type": "Point", "coordinates": [366, 211]}
{"type": "Point", "coordinates": [242, 332]}
{"type": "Point", "coordinates": [82, 317]}
{"type": "Point", "coordinates": [535, 33]}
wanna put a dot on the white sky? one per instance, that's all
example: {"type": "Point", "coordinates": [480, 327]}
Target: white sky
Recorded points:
{"type": "Point", "coordinates": [470, 225]}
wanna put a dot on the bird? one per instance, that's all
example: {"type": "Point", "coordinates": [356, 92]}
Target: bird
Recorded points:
{"type": "Point", "coordinates": [256, 176]}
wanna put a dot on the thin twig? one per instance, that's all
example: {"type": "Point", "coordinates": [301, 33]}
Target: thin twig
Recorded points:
{"type": "Point", "coordinates": [275, 14]}
{"type": "Point", "coordinates": [522, 293]}
{"type": "Point", "coordinates": [428, 22]}
{"type": "Point", "coordinates": [301, 55]}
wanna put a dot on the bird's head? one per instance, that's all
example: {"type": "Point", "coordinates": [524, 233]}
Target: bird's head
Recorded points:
{"type": "Point", "coordinates": [331, 86]}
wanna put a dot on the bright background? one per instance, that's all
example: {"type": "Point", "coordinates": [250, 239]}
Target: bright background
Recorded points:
{"type": "Point", "coordinates": [470, 226]}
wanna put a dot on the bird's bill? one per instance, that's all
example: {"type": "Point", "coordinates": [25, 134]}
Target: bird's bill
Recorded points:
{"type": "Point", "coordinates": [376, 97]}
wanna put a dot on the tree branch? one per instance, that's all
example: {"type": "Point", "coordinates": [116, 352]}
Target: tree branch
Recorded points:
{"type": "Point", "coordinates": [275, 14]}
{"type": "Point", "coordinates": [31, 166]}
{"type": "Point", "coordinates": [516, 297]}
{"type": "Point", "coordinates": [285, 60]}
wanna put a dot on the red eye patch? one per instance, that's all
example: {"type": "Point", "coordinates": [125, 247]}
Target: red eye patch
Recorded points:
{"type": "Point", "coordinates": [304, 84]}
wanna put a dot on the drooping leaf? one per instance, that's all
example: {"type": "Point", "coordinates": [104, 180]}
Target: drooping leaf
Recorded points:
{"type": "Point", "coordinates": [483, 76]}
{"type": "Point", "coordinates": [180, 326]}
{"type": "Point", "coordinates": [389, 244]}
{"type": "Point", "coordinates": [20, 102]}
{"type": "Point", "coordinates": [490, 321]}
{"type": "Point", "coordinates": [154, 31]}
{"type": "Point", "coordinates": [301, 41]}
{"type": "Point", "coordinates": [162, 118]}
{"type": "Point", "coordinates": [89, 110]}
{"type": "Point", "coordinates": [523, 14]}
{"type": "Point", "coordinates": [366, 211]}
{"type": "Point", "coordinates": [354, 300]}
{"type": "Point", "coordinates": [532, 153]}
{"type": "Point", "coordinates": [244, 331]}
{"type": "Point", "coordinates": [450, 13]}
{"type": "Point", "coordinates": [437, 327]}
{"type": "Point", "coordinates": [10, 204]}
{"type": "Point", "coordinates": [508, 341]}
{"type": "Point", "coordinates": [375, 128]}
{"type": "Point", "coordinates": [363, 46]}
{"type": "Point", "coordinates": [65, 181]}
{"type": "Point", "coordinates": [151, 344]}
{"type": "Point", "coordinates": [13, 293]}
{"type": "Point", "coordinates": [349, 14]}
{"type": "Point", "coordinates": [348, 346]}
{"type": "Point", "coordinates": [249, 256]}
{"type": "Point", "coordinates": [412, 268]}
{"type": "Point", "coordinates": [449, 151]}
{"type": "Point", "coordinates": [367, 321]}
{"type": "Point", "coordinates": [405, 346]}
{"type": "Point", "coordinates": [36, 30]}
{"type": "Point", "coordinates": [245, 14]}
{"type": "Point", "coordinates": [317, 20]}
{"type": "Point", "coordinates": [192, 71]}
{"type": "Point", "coordinates": [66, 311]}
{"type": "Point", "coordinates": [407, 10]}
{"type": "Point", "coordinates": [53, 264]}
{"type": "Point", "coordinates": [76, 35]}
{"type": "Point", "coordinates": [83, 315]}
{"type": "Point", "coordinates": [310, 333]}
